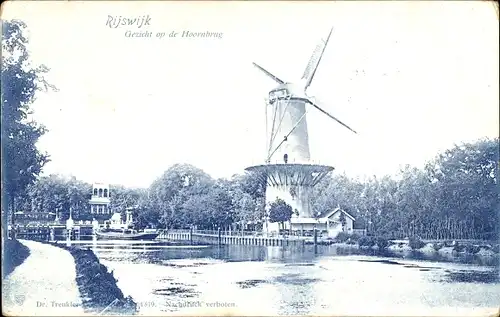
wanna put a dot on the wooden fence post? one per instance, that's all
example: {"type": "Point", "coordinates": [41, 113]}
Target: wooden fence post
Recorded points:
{"type": "Point", "coordinates": [219, 235]}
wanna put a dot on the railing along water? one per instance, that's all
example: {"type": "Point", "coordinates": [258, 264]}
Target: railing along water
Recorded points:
{"type": "Point", "coordinates": [235, 237]}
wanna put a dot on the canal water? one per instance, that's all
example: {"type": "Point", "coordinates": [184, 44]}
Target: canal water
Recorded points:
{"type": "Point", "coordinates": [258, 280]}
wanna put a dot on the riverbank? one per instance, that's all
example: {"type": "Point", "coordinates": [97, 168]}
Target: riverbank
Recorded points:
{"type": "Point", "coordinates": [484, 255]}
{"type": "Point", "coordinates": [14, 253]}
{"type": "Point", "coordinates": [484, 250]}
{"type": "Point", "coordinates": [487, 254]}
{"type": "Point", "coordinates": [97, 286]}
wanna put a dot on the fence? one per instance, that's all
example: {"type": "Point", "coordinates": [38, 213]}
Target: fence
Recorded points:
{"type": "Point", "coordinates": [220, 237]}
{"type": "Point", "coordinates": [226, 233]}
{"type": "Point", "coordinates": [52, 233]}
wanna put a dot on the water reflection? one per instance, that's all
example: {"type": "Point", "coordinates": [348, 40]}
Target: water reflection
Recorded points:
{"type": "Point", "coordinates": [471, 276]}
{"type": "Point", "coordinates": [156, 251]}
{"type": "Point", "coordinates": [297, 280]}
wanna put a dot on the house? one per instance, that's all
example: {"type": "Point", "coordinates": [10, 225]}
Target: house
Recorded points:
{"type": "Point", "coordinates": [328, 223]}
{"type": "Point", "coordinates": [100, 200]}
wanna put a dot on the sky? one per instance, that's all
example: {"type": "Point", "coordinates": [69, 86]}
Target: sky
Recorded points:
{"type": "Point", "coordinates": [413, 78]}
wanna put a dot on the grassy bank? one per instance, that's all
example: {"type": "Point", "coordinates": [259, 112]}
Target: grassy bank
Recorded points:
{"type": "Point", "coordinates": [14, 254]}
{"type": "Point", "coordinates": [448, 249]}
{"type": "Point", "coordinates": [98, 286]}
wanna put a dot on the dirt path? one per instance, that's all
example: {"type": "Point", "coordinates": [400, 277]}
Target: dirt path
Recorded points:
{"type": "Point", "coordinates": [43, 285]}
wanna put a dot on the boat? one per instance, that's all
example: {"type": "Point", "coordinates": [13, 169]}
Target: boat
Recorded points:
{"type": "Point", "coordinates": [126, 234]}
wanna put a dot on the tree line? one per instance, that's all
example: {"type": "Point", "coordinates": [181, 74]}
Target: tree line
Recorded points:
{"type": "Point", "coordinates": [454, 195]}
{"type": "Point", "coordinates": [184, 196]}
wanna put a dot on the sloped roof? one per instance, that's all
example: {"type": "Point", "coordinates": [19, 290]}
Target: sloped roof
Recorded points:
{"type": "Point", "coordinates": [331, 212]}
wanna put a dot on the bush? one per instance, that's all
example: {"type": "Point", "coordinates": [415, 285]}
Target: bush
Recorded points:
{"type": "Point", "coordinates": [342, 237]}
{"type": "Point", "coordinates": [496, 248]}
{"type": "Point", "coordinates": [355, 237]}
{"type": "Point", "coordinates": [458, 247]}
{"type": "Point", "coordinates": [437, 246]}
{"type": "Point", "coordinates": [366, 241]}
{"type": "Point", "coordinates": [382, 242]}
{"type": "Point", "coordinates": [415, 243]}
{"type": "Point", "coordinates": [347, 238]}
{"type": "Point", "coordinates": [472, 249]}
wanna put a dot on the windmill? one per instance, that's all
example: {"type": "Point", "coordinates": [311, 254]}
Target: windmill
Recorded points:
{"type": "Point", "coordinates": [288, 171]}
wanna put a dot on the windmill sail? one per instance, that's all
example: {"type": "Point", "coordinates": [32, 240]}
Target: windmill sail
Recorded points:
{"type": "Point", "coordinates": [279, 81]}
{"type": "Point", "coordinates": [315, 105]}
{"type": "Point", "coordinates": [312, 66]}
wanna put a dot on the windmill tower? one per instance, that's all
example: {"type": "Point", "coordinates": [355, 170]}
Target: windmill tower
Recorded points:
{"type": "Point", "coordinates": [288, 171]}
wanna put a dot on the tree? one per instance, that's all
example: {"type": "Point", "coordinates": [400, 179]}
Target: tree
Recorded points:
{"type": "Point", "coordinates": [245, 209]}
{"type": "Point", "coordinates": [79, 194]}
{"type": "Point", "coordinates": [248, 193]}
{"type": "Point", "coordinates": [22, 161]}
{"type": "Point", "coordinates": [244, 198]}
{"type": "Point", "coordinates": [465, 180]}
{"type": "Point", "coordinates": [144, 215]}
{"type": "Point", "coordinates": [170, 192]}
{"type": "Point", "coordinates": [124, 198]}
{"type": "Point", "coordinates": [55, 193]}
{"type": "Point", "coordinates": [223, 211]}
{"type": "Point", "coordinates": [280, 211]}
{"type": "Point", "coordinates": [342, 220]}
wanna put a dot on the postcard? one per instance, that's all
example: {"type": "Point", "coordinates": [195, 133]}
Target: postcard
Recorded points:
{"type": "Point", "coordinates": [238, 158]}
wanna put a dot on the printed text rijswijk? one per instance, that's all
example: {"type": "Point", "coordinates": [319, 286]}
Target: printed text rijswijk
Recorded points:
{"type": "Point", "coordinates": [139, 21]}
